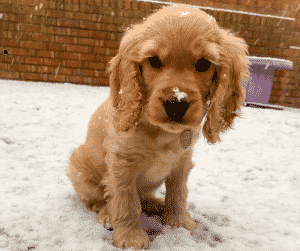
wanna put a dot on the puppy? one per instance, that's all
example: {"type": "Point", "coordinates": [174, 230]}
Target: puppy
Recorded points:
{"type": "Point", "coordinates": [173, 70]}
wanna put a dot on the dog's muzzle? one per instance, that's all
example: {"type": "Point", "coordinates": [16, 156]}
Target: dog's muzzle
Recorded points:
{"type": "Point", "coordinates": [176, 106]}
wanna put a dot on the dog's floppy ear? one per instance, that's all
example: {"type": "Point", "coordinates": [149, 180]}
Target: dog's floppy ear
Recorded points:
{"type": "Point", "coordinates": [125, 87]}
{"type": "Point", "coordinates": [227, 93]}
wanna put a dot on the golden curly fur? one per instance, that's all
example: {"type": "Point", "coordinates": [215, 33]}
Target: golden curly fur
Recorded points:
{"type": "Point", "coordinates": [171, 70]}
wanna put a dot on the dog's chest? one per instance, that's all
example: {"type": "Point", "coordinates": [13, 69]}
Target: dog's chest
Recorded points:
{"type": "Point", "coordinates": [160, 166]}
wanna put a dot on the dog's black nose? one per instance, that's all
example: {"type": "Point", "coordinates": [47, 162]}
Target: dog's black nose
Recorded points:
{"type": "Point", "coordinates": [176, 108]}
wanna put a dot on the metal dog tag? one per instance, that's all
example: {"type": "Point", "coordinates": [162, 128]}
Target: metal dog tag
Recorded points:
{"type": "Point", "coordinates": [186, 139]}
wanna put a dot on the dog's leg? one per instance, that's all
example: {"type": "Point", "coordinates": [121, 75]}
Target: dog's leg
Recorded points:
{"type": "Point", "coordinates": [124, 203]}
{"type": "Point", "coordinates": [85, 181]}
{"type": "Point", "coordinates": [153, 205]}
{"type": "Point", "coordinates": [176, 214]}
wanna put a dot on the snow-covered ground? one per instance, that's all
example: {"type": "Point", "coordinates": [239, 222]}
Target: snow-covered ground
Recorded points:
{"type": "Point", "coordinates": [247, 186]}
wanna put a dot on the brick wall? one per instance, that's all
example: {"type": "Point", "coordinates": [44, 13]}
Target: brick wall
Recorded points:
{"type": "Point", "coordinates": [62, 40]}
{"type": "Point", "coordinates": [73, 40]}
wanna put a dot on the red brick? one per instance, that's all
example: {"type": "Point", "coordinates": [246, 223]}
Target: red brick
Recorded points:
{"type": "Point", "coordinates": [90, 25]}
{"type": "Point", "coordinates": [279, 73]}
{"type": "Point", "coordinates": [9, 75]}
{"type": "Point", "coordinates": [89, 80]}
{"type": "Point", "coordinates": [73, 32]}
{"type": "Point", "coordinates": [127, 5]}
{"type": "Point", "coordinates": [85, 72]}
{"type": "Point", "coordinates": [6, 58]}
{"type": "Point", "coordinates": [101, 81]}
{"type": "Point", "coordinates": [98, 2]}
{"type": "Point", "coordinates": [99, 34]}
{"type": "Point", "coordinates": [31, 76]}
{"type": "Point", "coordinates": [75, 79]}
{"type": "Point", "coordinates": [82, 33]}
{"type": "Point", "coordinates": [92, 57]}
{"type": "Point", "coordinates": [31, 28]}
{"type": "Point", "coordinates": [108, 27]}
{"type": "Point", "coordinates": [74, 63]}
{"type": "Point", "coordinates": [55, 47]}
{"type": "Point", "coordinates": [42, 37]}
{"type": "Point", "coordinates": [8, 7]}
{"type": "Point", "coordinates": [3, 33]}
{"type": "Point", "coordinates": [3, 26]}
{"type": "Point", "coordinates": [68, 7]}
{"type": "Point", "coordinates": [113, 52]}
{"type": "Point", "coordinates": [71, 23]}
{"type": "Point", "coordinates": [99, 50]}
{"type": "Point", "coordinates": [54, 30]}
{"type": "Point", "coordinates": [87, 41]}
{"type": "Point", "coordinates": [20, 51]}
{"type": "Point", "coordinates": [19, 67]}
{"type": "Point", "coordinates": [94, 65]}
{"type": "Point", "coordinates": [51, 4]}
{"type": "Point", "coordinates": [109, 20]}
{"type": "Point", "coordinates": [141, 6]}
{"type": "Point", "coordinates": [102, 73]}
{"type": "Point", "coordinates": [32, 45]}
{"type": "Point", "coordinates": [2, 66]}
{"type": "Point", "coordinates": [26, 3]}
{"type": "Point", "coordinates": [39, 20]}
{"type": "Point", "coordinates": [111, 44]}
{"type": "Point", "coordinates": [90, 9]}
{"type": "Point", "coordinates": [52, 62]}
{"type": "Point", "coordinates": [56, 78]}
{"type": "Point", "coordinates": [24, 36]}
{"type": "Point", "coordinates": [64, 39]}
{"type": "Point", "coordinates": [82, 16]}
{"type": "Point", "coordinates": [77, 48]}
{"type": "Point", "coordinates": [51, 21]}
{"type": "Point", "coordinates": [45, 54]}
{"type": "Point", "coordinates": [55, 13]}
{"type": "Point", "coordinates": [67, 55]}
{"type": "Point", "coordinates": [67, 71]}
{"type": "Point", "coordinates": [44, 69]}
{"type": "Point", "coordinates": [8, 43]}
{"type": "Point", "coordinates": [86, 56]}
{"type": "Point", "coordinates": [31, 60]}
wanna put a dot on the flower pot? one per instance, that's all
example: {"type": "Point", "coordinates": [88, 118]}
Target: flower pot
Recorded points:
{"type": "Point", "coordinates": [262, 69]}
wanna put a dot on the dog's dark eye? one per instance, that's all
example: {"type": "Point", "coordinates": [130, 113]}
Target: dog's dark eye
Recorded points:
{"type": "Point", "coordinates": [155, 62]}
{"type": "Point", "coordinates": [202, 65]}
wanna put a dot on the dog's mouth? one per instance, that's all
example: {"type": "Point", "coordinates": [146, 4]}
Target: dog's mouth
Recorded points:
{"type": "Point", "coordinates": [176, 119]}
{"type": "Point", "coordinates": [175, 110]}
{"type": "Point", "coordinates": [175, 127]}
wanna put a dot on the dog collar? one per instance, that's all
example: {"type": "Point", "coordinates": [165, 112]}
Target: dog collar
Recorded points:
{"type": "Point", "coordinates": [186, 138]}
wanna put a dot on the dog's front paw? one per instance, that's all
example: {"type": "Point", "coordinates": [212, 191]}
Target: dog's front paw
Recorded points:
{"type": "Point", "coordinates": [104, 217]}
{"type": "Point", "coordinates": [136, 238]}
{"type": "Point", "coordinates": [180, 220]}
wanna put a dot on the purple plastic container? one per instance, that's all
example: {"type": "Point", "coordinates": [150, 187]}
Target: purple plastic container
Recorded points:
{"type": "Point", "coordinates": [262, 69]}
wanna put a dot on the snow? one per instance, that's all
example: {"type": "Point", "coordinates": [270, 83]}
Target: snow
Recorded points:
{"type": "Point", "coordinates": [295, 47]}
{"type": "Point", "coordinates": [223, 10]}
{"type": "Point", "coordinates": [178, 94]}
{"type": "Point", "coordinates": [277, 63]}
{"type": "Point", "coordinates": [245, 188]}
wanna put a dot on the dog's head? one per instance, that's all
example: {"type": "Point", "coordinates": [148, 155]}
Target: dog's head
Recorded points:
{"type": "Point", "coordinates": [174, 68]}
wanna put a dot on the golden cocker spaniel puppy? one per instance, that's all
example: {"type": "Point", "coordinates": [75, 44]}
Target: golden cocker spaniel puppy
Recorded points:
{"type": "Point", "coordinates": [171, 70]}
